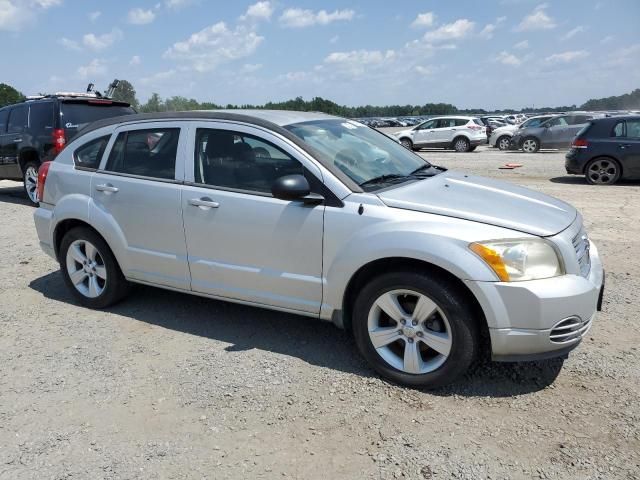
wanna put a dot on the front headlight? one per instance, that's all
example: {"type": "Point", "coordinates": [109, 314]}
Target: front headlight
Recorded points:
{"type": "Point", "coordinates": [520, 259]}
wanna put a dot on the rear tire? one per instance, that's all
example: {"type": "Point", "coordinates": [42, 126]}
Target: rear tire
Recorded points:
{"type": "Point", "coordinates": [406, 143]}
{"type": "Point", "coordinates": [30, 181]}
{"type": "Point", "coordinates": [504, 142]}
{"type": "Point", "coordinates": [602, 171]}
{"type": "Point", "coordinates": [461, 144]}
{"type": "Point", "coordinates": [90, 269]}
{"type": "Point", "coordinates": [404, 351]}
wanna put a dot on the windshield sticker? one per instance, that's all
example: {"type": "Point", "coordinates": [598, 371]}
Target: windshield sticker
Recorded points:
{"type": "Point", "coordinates": [349, 125]}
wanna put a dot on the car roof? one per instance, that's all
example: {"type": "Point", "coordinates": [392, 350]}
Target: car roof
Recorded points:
{"type": "Point", "coordinates": [273, 120]}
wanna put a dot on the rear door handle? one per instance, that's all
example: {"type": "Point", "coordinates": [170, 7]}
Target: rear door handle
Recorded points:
{"type": "Point", "coordinates": [107, 188]}
{"type": "Point", "coordinates": [17, 140]}
{"type": "Point", "coordinates": [204, 203]}
{"type": "Point", "coordinates": [625, 145]}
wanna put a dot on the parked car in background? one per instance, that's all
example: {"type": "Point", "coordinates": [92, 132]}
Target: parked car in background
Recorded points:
{"type": "Point", "coordinates": [606, 150]}
{"type": "Point", "coordinates": [289, 211]}
{"type": "Point", "coordinates": [490, 122]}
{"type": "Point", "coordinates": [459, 133]}
{"type": "Point", "coordinates": [556, 132]}
{"type": "Point", "coordinates": [501, 137]}
{"type": "Point", "coordinates": [37, 129]}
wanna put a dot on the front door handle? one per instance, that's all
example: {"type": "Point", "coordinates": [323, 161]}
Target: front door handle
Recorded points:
{"type": "Point", "coordinates": [17, 140]}
{"type": "Point", "coordinates": [626, 145]}
{"type": "Point", "coordinates": [107, 188]}
{"type": "Point", "coordinates": [203, 203]}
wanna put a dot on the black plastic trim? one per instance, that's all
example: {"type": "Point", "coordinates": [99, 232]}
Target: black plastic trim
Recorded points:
{"type": "Point", "coordinates": [535, 357]}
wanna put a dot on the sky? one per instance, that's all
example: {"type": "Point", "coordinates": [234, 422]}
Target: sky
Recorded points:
{"type": "Point", "coordinates": [473, 54]}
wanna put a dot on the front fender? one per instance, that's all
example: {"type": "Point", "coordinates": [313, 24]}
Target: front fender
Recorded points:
{"type": "Point", "coordinates": [423, 241]}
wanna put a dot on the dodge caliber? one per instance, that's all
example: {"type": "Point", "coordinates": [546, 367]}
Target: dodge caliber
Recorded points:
{"type": "Point", "coordinates": [427, 268]}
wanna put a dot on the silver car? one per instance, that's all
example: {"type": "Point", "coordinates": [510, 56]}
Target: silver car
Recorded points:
{"type": "Point", "coordinates": [326, 218]}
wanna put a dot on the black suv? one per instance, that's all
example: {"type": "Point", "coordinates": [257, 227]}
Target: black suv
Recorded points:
{"type": "Point", "coordinates": [37, 129]}
{"type": "Point", "coordinates": [606, 150]}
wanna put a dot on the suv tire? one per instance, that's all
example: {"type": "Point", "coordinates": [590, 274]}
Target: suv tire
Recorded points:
{"type": "Point", "coordinates": [90, 270]}
{"type": "Point", "coordinates": [406, 143]}
{"type": "Point", "coordinates": [461, 144]}
{"type": "Point", "coordinates": [430, 313]}
{"type": "Point", "coordinates": [530, 145]}
{"type": "Point", "coordinates": [30, 181]}
{"type": "Point", "coordinates": [504, 142]}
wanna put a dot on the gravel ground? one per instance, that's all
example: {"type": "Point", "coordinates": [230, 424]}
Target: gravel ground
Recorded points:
{"type": "Point", "coordinates": [166, 385]}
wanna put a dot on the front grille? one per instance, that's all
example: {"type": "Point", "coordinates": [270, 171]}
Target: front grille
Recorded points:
{"type": "Point", "coordinates": [569, 330]}
{"type": "Point", "coordinates": [581, 246]}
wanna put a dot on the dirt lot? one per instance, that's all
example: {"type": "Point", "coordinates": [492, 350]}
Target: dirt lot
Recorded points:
{"type": "Point", "coordinates": [173, 386]}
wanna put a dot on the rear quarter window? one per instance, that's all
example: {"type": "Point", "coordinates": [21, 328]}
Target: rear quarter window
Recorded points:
{"type": "Point", "coordinates": [90, 154]}
{"type": "Point", "coordinates": [476, 121]}
{"type": "Point", "coordinates": [41, 116]}
{"type": "Point", "coordinates": [618, 130]}
{"type": "Point", "coordinates": [4, 116]}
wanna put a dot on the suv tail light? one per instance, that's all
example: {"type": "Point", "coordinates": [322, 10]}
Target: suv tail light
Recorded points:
{"type": "Point", "coordinates": [580, 143]}
{"type": "Point", "coordinates": [59, 140]}
{"type": "Point", "coordinates": [43, 171]}
{"type": "Point", "coordinates": [474, 127]}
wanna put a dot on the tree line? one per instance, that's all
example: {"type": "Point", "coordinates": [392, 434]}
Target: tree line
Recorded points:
{"type": "Point", "coordinates": [127, 93]}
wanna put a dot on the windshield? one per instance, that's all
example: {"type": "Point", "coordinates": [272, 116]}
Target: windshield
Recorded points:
{"type": "Point", "coordinates": [364, 155]}
{"type": "Point", "coordinates": [534, 122]}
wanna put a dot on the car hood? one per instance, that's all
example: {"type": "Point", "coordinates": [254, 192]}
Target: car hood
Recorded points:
{"type": "Point", "coordinates": [480, 199]}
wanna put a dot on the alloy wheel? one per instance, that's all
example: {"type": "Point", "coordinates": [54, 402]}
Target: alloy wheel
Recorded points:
{"type": "Point", "coordinates": [409, 331]}
{"type": "Point", "coordinates": [31, 183]}
{"type": "Point", "coordinates": [504, 143]}
{"type": "Point", "coordinates": [461, 145]}
{"type": "Point", "coordinates": [603, 172]}
{"type": "Point", "coordinates": [406, 143]}
{"type": "Point", "coordinates": [529, 146]}
{"type": "Point", "coordinates": [86, 268]}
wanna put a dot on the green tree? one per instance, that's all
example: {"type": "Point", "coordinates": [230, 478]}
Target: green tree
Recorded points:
{"type": "Point", "coordinates": [9, 95]}
{"type": "Point", "coordinates": [154, 104]}
{"type": "Point", "coordinates": [126, 93]}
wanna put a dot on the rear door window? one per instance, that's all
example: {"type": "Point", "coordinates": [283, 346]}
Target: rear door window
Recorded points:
{"type": "Point", "coordinates": [461, 122]}
{"type": "Point", "coordinates": [76, 115]}
{"type": "Point", "coordinates": [618, 130]}
{"type": "Point", "coordinates": [633, 128]}
{"type": "Point", "coordinates": [41, 116]}
{"type": "Point", "coordinates": [4, 117]}
{"type": "Point", "coordinates": [90, 154]}
{"type": "Point", "coordinates": [446, 123]}
{"type": "Point", "coordinates": [146, 153]}
{"type": "Point", "coordinates": [557, 122]}
{"type": "Point", "coordinates": [18, 119]}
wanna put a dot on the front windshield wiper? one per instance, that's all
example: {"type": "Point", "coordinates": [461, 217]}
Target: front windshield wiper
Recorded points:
{"type": "Point", "coordinates": [424, 169]}
{"type": "Point", "coordinates": [386, 178]}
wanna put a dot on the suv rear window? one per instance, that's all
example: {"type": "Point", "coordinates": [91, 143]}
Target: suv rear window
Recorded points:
{"type": "Point", "coordinates": [75, 115]}
{"type": "Point", "coordinates": [41, 116]}
{"type": "Point", "coordinates": [477, 122]}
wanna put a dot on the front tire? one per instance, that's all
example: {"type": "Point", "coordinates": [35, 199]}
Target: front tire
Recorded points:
{"type": "Point", "coordinates": [602, 171]}
{"type": "Point", "coordinates": [90, 269]}
{"type": "Point", "coordinates": [30, 181]}
{"type": "Point", "coordinates": [461, 144]}
{"type": "Point", "coordinates": [414, 330]}
{"type": "Point", "coordinates": [530, 145]}
{"type": "Point", "coordinates": [504, 142]}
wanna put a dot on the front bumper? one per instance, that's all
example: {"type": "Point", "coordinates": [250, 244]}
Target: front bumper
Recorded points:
{"type": "Point", "coordinates": [527, 319]}
{"type": "Point", "coordinates": [516, 143]}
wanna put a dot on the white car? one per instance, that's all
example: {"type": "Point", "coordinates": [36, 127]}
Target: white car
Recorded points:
{"type": "Point", "coordinates": [501, 137]}
{"type": "Point", "coordinates": [462, 134]}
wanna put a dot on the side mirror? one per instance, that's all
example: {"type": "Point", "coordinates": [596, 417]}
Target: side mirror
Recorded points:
{"type": "Point", "coordinates": [294, 187]}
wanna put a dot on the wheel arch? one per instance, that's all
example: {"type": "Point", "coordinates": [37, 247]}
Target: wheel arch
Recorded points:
{"type": "Point", "coordinates": [384, 265]}
{"type": "Point", "coordinates": [458, 137]}
{"type": "Point", "coordinates": [28, 155]}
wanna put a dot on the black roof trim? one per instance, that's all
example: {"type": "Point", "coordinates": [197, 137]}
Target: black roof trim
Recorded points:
{"type": "Point", "coordinates": [225, 116]}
